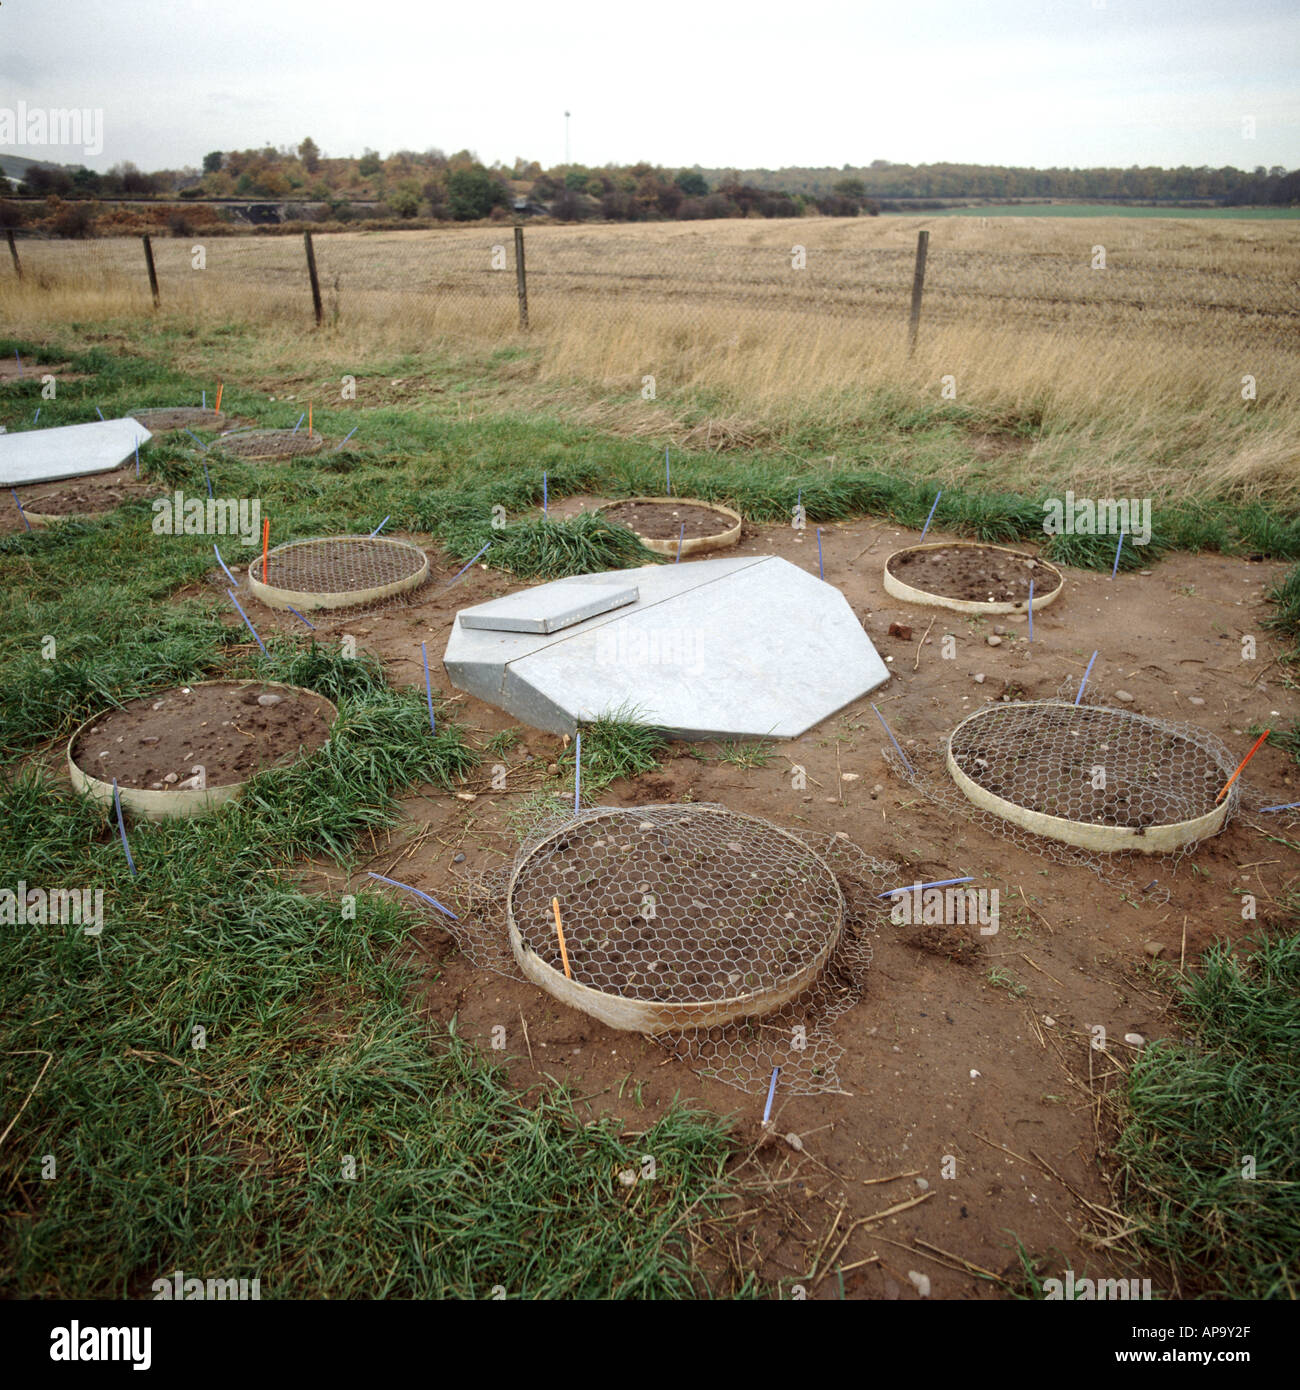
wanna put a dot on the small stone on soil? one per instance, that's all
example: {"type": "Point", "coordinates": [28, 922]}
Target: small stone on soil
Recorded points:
{"type": "Point", "coordinates": [1124, 697]}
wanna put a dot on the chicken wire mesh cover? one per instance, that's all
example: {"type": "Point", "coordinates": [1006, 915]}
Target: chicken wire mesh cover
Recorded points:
{"type": "Point", "coordinates": [178, 417]}
{"type": "Point", "coordinates": [1081, 783]}
{"type": "Point", "coordinates": [731, 942]}
{"type": "Point", "coordinates": [337, 572]}
{"type": "Point", "coordinates": [271, 444]}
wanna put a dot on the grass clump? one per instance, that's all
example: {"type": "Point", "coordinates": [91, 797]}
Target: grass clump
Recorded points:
{"type": "Point", "coordinates": [1198, 1114]}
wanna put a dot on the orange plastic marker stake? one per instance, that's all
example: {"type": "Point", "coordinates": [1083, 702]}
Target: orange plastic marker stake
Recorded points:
{"type": "Point", "coordinates": [308, 419]}
{"type": "Point", "coordinates": [1242, 764]}
{"type": "Point", "coordinates": [221, 386]}
{"type": "Point", "coordinates": [266, 537]}
{"type": "Point", "coordinates": [559, 931]}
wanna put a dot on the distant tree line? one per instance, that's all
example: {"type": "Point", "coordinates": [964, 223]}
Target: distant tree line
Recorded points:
{"type": "Point", "coordinates": [884, 181]}
{"type": "Point", "coordinates": [460, 188]}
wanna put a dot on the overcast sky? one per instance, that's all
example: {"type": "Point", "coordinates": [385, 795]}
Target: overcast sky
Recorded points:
{"type": "Point", "coordinates": [763, 83]}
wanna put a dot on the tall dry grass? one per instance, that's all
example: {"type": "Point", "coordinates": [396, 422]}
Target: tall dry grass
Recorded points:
{"type": "Point", "coordinates": [1123, 379]}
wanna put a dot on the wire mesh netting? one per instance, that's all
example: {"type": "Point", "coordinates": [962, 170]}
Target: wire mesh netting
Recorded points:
{"type": "Point", "coordinates": [1093, 765]}
{"type": "Point", "coordinates": [271, 444]}
{"type": "Point", "coordinates": [1027, 756]}
{"type": "Point", "coordinates": [678, 904]}
{"type": "Point", "coordinates": [178, 417]}
{"type": "Point", "coordinates": [703, 906]}
{"type": "Point", "coordinates": [336, 570]}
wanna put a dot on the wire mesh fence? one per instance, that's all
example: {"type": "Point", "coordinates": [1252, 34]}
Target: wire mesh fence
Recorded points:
{"type": "Point", "coordinates": [745, 275]}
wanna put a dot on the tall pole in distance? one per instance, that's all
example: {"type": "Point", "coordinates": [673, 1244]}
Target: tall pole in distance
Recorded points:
{"type": "Point", "coordinates": [566, 139]}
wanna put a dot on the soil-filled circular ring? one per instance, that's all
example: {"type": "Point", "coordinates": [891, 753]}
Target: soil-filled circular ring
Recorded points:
{"type": "Point", "coordinates": [1035, 764]}
{"type": "Point", "coordinates": [301, 727]}
{"type": "Point", "coordinates": [674, 916]}
{"type": "Point", "coordinates": [262, 445]}
{"type": "Point", "coordinates": [337, 572]}
{"type": "Point", "coordinates": [657, 522]}
{"type": "Point", "coordinates": [82, 499]}
{"type": "Point", "coordinates": [959, 575]}
{"type": "Point", "coordinates": [161, 419]}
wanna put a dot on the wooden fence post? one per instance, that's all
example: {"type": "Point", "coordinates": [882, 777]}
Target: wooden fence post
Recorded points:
{"type": "Point", "coordinates": [153, 274]}
{"type": "Point", "coordinates": [918, 286]}
{"type": "Point", "coordinates": [13, 251]}
{"type": "Point", "coordinates": [521, 279]}
{"type": "Point", "coordinates": [315, 282]}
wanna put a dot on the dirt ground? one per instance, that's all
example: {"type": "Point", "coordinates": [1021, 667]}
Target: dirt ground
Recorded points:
{"type": "Point", "coordinates": [971, 1112]}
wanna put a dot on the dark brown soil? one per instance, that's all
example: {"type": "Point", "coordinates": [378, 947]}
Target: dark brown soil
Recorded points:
{"type": "Point", "coordinates": [89, 496]}
{"type": "Point", "coordinates": [220, 727]}
{"type": "Point", "coordinates": [979, 574]}
{"type": "Point", "coordinates": [160, 419]}
{"type": "Point", "coordinates": [663, 521]}
{"type": "Point", "coordinates": [684, 909]}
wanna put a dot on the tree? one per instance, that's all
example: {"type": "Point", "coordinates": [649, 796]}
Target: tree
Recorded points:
{"type": "Point", "coordinates": [212, 162]}
{"type": "Point", "coordinates": [473, 193]}
{"type": "Point", "coordinates": [370, 164]}
{"type": "Point", "coordinates": [404, 200]}
{"type": "Point", "coordinates": [693, 184]}
{"type": "Point", "coordinates": [309, 153]}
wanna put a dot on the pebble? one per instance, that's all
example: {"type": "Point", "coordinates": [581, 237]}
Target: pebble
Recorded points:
{"type": "Point", "coordinates": [1195, 700]}
{"type": "Point", "coordinates": [795, 1142]}
{"type": "Point", "coordinates": [1124, 697]}
{"type": "Point", "coordinates": [1000, 631]}
{"type": "Point", "coordinates": [849, 776]}
{"type": "Point", "coordinates": [155, 786]}
{"type": "Point", "coordinates": [1153, 948]}
{"type": "Point", "coordinates": [171, 778]}
{"type": "Point", "coordinates": [150, 739]}
{"type": "Point", "coordinates": [1135, 1039]}
{"type": "Point", "coordinates": [552, 769]}
{"type": "Point", "coordinates": [1049, 1021]}
{"type": "Point", "coordinates": [466, 796]}
{"type": "Point", "coordinates": [921, 1282]}
{"type": "Point", "coordinates": [994, 641]}
{"type": "Point", "coordinates": [458, 859]}
{"type": "Point", "coordinates": [269, 700]}
{"type": "Point", "coordinates": [157, 704]}
{"type": "Point", "coordinates": [979, 679]}
{"type": "Point", "coordinates": [923, 1184]}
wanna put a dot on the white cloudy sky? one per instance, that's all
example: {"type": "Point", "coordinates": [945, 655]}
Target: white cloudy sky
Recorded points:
{"type": "Point", "coordinates": [759, 83]}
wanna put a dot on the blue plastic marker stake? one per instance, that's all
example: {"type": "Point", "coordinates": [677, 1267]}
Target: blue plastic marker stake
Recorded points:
{"type": "Point", "coordinates": [1288, 806]}
{"type": "Point", "coordinates": [930, 518]}
{"type": "Point", "coordinates": [821, 569]}
{"type": "Point", "coordinates": [244, 615]}
{"type": "Point", "coordinates": [543, 494]}
{"type": "Point", "coordinates": [428, 688]}
{"type": "Point", "coordinates": [207, 478]}
{"type": "Point", "coordinates": [577, 775]}
{"type": "Point", "coordinates": [222, 563]}
{"type": "Point", "coordinates": [771, 1094]}
{"type": "Point", "coordinates": [301, 418]}
{"type": "Point", "coordinates": [462, 570]}
{"type": "Point", "coordinates": [918, 887]}
{"type": "Point", "coordinates": [680, 538]}
{"type": "Point", "coordinates": [137, 458]}
{"type": "Point", "coordinates": [1084, 681]}
{"type": "Point", "coordinates": [298, 615]}
{"type": "Point", "coordinates": [1118, 548]}
{"type": "Point", "coordinates": [892, 739]}
{"type": "Point", "coordinates": [205, 400]}
{"type": "Point", "coordinates": [19, 360]}
{"type": "Point", "coordinates": [345, 438]}
{"type": "Point", "coordinates": [1031, 610]}
{"type": "Point", "coordinates": [406, 888]}
{"type": "Point", "coordinates": [99, 412]}
{"type": "Point", "coordinates": [196, 439]}
{"type": "Point", "coordinates": [381, 526]}
{"type": "Point", "coordinates": [668, 476]}
{"type": "Point", "coordinates": [21, 513]}
{"type": "Point", "coordinates": [37, 416]}
{"type": "Point", "coordinates": [121, 825]}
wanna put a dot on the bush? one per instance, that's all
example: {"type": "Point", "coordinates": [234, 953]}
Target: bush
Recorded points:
{"type": "Point", "coordinates": [73, 219]}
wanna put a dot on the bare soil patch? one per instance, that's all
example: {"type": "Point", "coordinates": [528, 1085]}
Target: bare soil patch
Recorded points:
{"type": "Point", "coordinates": [663, 521]}
{"type": "Point", "coordinates": [981, 574]}
{"type": "Point", "coordinates": [225, 728]}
